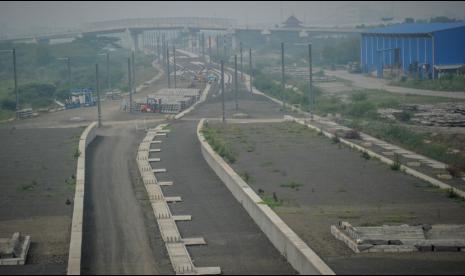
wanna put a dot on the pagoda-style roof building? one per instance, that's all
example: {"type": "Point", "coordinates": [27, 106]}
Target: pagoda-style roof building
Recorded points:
{"type": "Point", "coordinates": [292, 22]}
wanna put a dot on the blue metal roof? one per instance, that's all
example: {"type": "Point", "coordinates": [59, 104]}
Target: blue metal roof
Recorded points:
{"type": "Point", "coordinates": [415, 28]}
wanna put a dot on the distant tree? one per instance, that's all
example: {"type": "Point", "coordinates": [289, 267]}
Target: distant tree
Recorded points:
{"type": "Point", "coordinates": [409, 20]}
{"type": "Point", "coordinates": [42, 55]}
{"type": "Point", "coordinates": [38, 94]}
{"type": "Point", "coordinates": [443, 19]}
{"type": "Point", "coordinates": [8, 104]}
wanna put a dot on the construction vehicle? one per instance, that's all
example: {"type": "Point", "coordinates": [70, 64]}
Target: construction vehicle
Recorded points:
{"type": "Point", "coordinates": [80, 98]}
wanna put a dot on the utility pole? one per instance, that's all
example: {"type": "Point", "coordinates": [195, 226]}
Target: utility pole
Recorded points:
{"type": "Point", "coordinates": [97, 85]}
{"type": "Point", "coordinates": [235, 82]}
{"type": "Point", "coordinates": [250, 69]}
{"type": "Point", "coordinates": [174, 65]}
{"type": "Point", "coordinates": [129, 85]}
{"type": "Point", "coordinates": [168, 65]}
{"type": "Point", "coordinates": [311, 97]}
{"type": "Point", "coordinates": [283, 85]}
{"type": "Point", "coordinates": [222, 91]}
{"type": "Point", "coordinates": [242, 75]}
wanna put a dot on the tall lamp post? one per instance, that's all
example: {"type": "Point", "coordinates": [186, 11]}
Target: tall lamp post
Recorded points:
{"type": "Point", "coordinates": [107, 55]}
{"type": "Point", "coordinates": [15, 77]}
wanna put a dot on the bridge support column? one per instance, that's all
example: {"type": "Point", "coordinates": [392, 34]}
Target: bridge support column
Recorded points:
{"type": "Point", "coordinates": [233, 40]}
{"type": "Point", "coordinates": [134, 39]}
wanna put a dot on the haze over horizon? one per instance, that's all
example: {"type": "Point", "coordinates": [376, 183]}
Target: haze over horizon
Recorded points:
{"type": "Point", "coordinates": [20, 17]}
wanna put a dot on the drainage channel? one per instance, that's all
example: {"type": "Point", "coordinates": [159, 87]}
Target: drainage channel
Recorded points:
{"type": "Point", "coordinates": [176, 245]}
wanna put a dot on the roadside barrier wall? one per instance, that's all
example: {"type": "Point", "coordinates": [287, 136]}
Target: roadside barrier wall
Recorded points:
{"type": "Point", "coordinates": [75, 246]}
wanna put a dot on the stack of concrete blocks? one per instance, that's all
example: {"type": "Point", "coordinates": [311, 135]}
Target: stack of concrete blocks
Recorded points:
{"type": "Point", "coordinates": [75, 247]}
{"type": "Point", "coordinates": [14, 251]}
{"type": "Point", "coordinates": [302, 258]}
{"type": "Point", "coordinates": [400, 239]}
{"type": "Point", "coordinates": [175, 244]}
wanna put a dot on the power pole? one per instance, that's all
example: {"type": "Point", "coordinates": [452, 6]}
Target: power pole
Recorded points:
{"type": "Point", "coordinates": [283, 86]}
{"type": "Point", "coordinates": [174, 65]}
{"type": "Point", "coordinates": [235, 82]}
{"type": "Point", "coordinates": [242, 76]}
{"type": "Point", "coordinates": [168, 66]}
{"type": "Point", "coordinates": [250, 69]}
{"type": "Point", "coordinates": [311, 97]}
{"type": "Point", "coordinates": [129, 85]}
{"type": "Point", "coordinates": [99, 111]}
{"type": "Point", "coordinates": [15, 77]}
{"type": "Point", "coordinates": [222, 91]}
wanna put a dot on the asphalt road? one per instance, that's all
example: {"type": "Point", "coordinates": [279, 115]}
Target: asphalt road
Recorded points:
{"type": "Point", "coordinates": [235, 243]}
{"type": "Point", "coordinates": [120, 233]}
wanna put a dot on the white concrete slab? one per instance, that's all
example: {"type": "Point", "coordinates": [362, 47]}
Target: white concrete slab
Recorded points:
{"type": "Point", "coordinates": [173, 199]}
{"type": "Point", "coordinates": [166, 183]}
{"type": "Point", "coordinates": [154, 150]}
{"type": "Point", "coordinates": [182, 218]}
{"type": "Point", "coordinates": [154, 159]}
{"type": "Point", "coordinates": [194, 241]}
{"type": "Point", "coordinates": [159, 170]}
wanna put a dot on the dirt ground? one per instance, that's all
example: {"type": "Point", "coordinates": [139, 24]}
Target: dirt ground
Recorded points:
{"type": "Point", "coordinates": [321, 183]}
{"type": "Point", "coordinates": [35, 167]}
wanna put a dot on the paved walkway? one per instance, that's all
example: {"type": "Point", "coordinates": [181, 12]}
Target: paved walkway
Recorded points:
{"type": "Point", "coordinates": [362, 81]}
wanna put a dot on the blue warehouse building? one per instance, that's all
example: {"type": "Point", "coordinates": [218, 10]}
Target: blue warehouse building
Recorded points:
{"type": "Point", "coordinates": [426, 49]}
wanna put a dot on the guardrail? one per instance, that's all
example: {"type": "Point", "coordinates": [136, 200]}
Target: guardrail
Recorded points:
{"type": "Point", "coordinates": [75, 245]}
{"type": "Point", "coordinates": [302, 258]}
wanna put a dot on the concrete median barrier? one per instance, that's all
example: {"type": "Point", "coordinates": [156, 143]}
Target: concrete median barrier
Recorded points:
{"type": "Point", "coordinates": [75, 246]}
{"type": "Point", "coordinates": [302, 258]}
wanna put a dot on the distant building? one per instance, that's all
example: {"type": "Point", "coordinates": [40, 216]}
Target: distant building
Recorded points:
{"type": "Point", "coordinates": [423, 49]}
{"type": "Point", "coordinates": [292, 22]}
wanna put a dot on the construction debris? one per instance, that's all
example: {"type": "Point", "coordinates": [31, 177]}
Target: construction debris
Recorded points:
{"type": "Point", "coordinates": [442, 114]}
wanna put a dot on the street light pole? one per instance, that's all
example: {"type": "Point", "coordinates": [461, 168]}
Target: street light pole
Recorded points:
{"type": "Point", "coordinates": [222, 91]}
{"type": "Point", "coordinates": [235, 82]}
{"type": "Point", "coordinates": [108, 72]}
{"type": "Point", "coordinates": [15, 81]}
{"type": "Point", "coordinates": [15, 78]}
{"type": "Point", "coordinates": [250, 69]}
{"type": "Point", "coordinates": [311, 96]}
{"type": "Point", "coordinates": [174, 65]}
{"type": "Point", "coordinates": [168, 65]}
{"type": "Point", "coordinates": [242, 76]}
{"type": "Point", "coordinates": [134, 71]}
{"type": "Point", "coordinates": [99, 111]}
{"type": "Point", "coordinates": [283, 86]}
{"type": "Point", "coordinates": [129, 85]}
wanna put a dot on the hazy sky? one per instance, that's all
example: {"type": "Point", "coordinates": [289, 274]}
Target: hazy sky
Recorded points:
{"type": "Point", "coordinates": [26, 15]}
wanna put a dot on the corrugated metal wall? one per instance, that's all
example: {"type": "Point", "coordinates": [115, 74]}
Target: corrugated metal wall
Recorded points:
{"type": "Point", "coordinates": [379, 49]}
{"type": "Point", "coordinates": [450, 46]}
